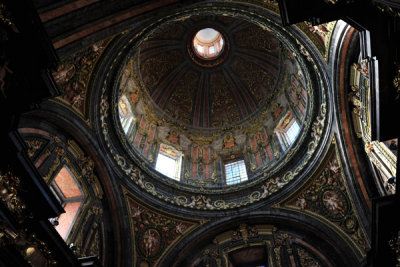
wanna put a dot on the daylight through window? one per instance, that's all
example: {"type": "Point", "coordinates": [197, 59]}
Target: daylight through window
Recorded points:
{"type": "Point", "coordinates": [68, 192]}
{"type": "Point", "coordinates": [292, 132]}
{"type": "Point", "coordinates": [235, 172]}
{"type": "Point", "coordinates": [169, 162]}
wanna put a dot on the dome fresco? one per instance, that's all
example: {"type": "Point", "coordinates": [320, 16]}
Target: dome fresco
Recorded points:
{"type": "Point", "coordinates": [226, 125]}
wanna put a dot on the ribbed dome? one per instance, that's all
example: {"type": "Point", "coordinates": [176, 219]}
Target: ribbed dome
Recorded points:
{"type": "Point", "coordinates": [210, 97]}
{"type": "Point", "coordinates": [238, 128]}
{"type": "Point", "coordinates": [215, 121]}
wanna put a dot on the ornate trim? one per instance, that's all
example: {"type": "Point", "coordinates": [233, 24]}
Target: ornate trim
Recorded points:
{"type": "Point", "coordinates": [9, 194]}
{"type": "Point", "coordinates": [210, 199]}
{"type": "Point", "coordinates": [155, 232]}
{"type": "Point", "coordinates": [326, 198]}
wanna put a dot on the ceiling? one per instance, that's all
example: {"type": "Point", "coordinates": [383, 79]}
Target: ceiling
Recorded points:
{"type": "Point", "coordinates": [300, 201]}
{"type": "Point", "coordinates": [214, 96]}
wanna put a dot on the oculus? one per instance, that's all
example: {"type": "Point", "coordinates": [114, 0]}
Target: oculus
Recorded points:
{"type": "Point", "coordinates": [208, 43]}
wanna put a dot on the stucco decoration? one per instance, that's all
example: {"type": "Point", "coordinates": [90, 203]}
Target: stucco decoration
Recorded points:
{"type": "Point", "coordinates": [293, 95]}
{"type": "Point", "coordinates": [55, 155]}
{"type": "Point", "coordinates": [73, 77]}
{"type": "Point", "coordinates": [383, 155]}
{"type": "Point", "coordinates": [154, 232]}
{"type": "Point", "coordinates": [320, 35]}
{"type": "Point", "coordinates": [326, 197]}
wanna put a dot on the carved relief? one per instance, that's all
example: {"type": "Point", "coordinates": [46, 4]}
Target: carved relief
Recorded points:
{"type": "Point", "coordinates": [9, 188]}
{"type": "Point", "coordinates": [156, 68]}
{"type": "Point", "coordinates": [257, 38]}
{"type": "Point", "coordinates": [306, 260]}
{"type": "Point", "coordinates": [327, 195]}
{"type": "Point", "coordinates": [277, 248]}
{"type": "Point", "coordinates": [89, 239]}
{"type": "Point", "coordinates": [74, 74]}
{"type": "Point", "coordinates": [31, 248]}
{"type": "Point", "coordinates": [181, 102]}
{"type": "Point", "coordinates": [320, 35]}
{"type": "Point", "coordinates": [379, 153]}
{"type": "Point", "coordinates": [257, 80]}
{"type": "Point", "coordinates": [223, 107]}
{"type": "Point", "coordinates": [154, 231]}
{"type": "Point", "coordinates": [33, 146]}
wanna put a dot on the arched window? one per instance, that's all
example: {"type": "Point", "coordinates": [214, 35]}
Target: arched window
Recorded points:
{"type": "Point", "coordinates": [169, 161]}
{"type": "Point", "coordinates": [69, 193]}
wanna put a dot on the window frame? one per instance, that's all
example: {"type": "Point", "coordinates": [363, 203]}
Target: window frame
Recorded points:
{"type": "Point", "coordinates": [64, 201]}
{"type": "Point", "coordinates": [178, 162]}
{"type": "Point", "coordinates": [282, 132]}
{"type": "Point", "coordinates": [240, 170]}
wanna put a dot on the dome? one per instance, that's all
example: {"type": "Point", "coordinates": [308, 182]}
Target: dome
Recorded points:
{"type": "Point", "coordinates": [211, 97]}
{"type": "Point", "coordinates": [219, 124]}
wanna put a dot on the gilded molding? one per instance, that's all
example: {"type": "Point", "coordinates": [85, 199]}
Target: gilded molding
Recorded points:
{"type": "Point", "coordinates": [360, 96]}
{"type": "Point", "coordinates": [74, 76]}
{"type": "Point", "coordinates": [208, 198]}
{"type": "Point", "coordinates": [9, 194]}
{"type": "Point", "coordinates": [33, 146]}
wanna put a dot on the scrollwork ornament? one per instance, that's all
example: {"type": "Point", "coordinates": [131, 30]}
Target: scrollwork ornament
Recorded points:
{"type": "Point", "coordinates": [33, 146]}
{"type": "Point", "coordinates": [213, 198]}
{"type": "Point", "coordinates": [306, 259]}
{"type": "Point", "coordinates": [9, 187]}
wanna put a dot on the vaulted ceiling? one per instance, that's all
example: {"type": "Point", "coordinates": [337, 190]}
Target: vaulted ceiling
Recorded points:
{"type": "Point", "coordinates": [295, 212]}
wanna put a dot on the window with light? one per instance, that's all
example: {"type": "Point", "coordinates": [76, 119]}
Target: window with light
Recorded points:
{"type": "Point", "coordinates": [169, 161]}
{"type": "Point", "coordinates": [125, 114]}
{"type": "Point", "coordinates": [287, 130]}
{"type": "Point", "coordinates": [235, 172]}
{"type": "Point", "coordinates": [68, 192]}
{"type": "Point", "coordinates": [292, 132]}
{"type": "Point", "coordinates": [212, 50]}
{"type": "Point", "coordinates": [208, 43]}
